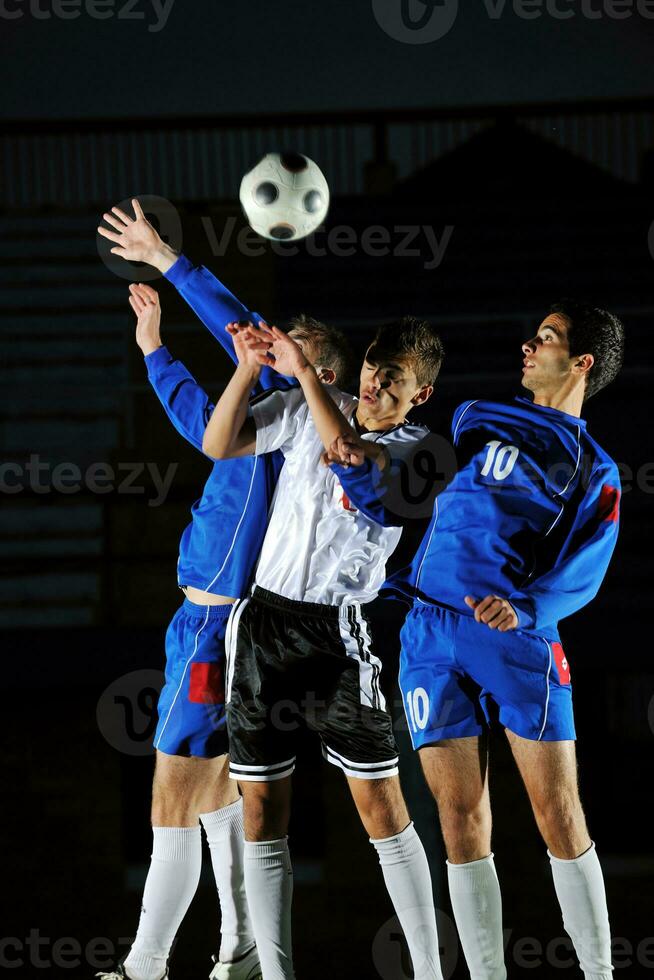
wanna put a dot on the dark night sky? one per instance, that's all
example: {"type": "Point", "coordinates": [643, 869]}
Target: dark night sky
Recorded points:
{"type": "Point", "coordinates": [216, 56]}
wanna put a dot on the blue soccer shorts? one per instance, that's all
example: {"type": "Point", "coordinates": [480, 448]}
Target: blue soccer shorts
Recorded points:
{"type": "Point", "coordinates": [458, 676]}
{"type": "Point", "coordinates": [192, 702]}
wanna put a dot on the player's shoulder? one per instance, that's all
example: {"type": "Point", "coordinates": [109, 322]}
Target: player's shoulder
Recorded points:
{"type": "Point", "coordinates": [405, 433]}
{"type": "Point", "coordinates": [600, 462]}
{"type": "Point", "coordinates": [476, 410]}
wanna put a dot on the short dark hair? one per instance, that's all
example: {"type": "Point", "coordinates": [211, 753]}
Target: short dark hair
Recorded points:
{"type": "Point", "coordinates": [597, 332]}
{"type": "Point", "coordinates": [333, 347]}
{"type": "Point", "coordinates": [413, 340]}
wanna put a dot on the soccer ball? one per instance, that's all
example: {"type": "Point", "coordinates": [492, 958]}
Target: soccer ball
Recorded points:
{"type": "Point", "coordinates": [285, 197]}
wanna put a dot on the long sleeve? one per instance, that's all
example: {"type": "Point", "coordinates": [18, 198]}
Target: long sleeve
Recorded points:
{"type": "Point", "coordinates": [583, 560]}
{"type": "Point", "coordinates": [399, 494]}
{"type": "Point", "coordinates": [364, 488]}
{"type": "Point", "coordinates": [216, 307]}
{"type": "Point", "coordinates": [186, 403]}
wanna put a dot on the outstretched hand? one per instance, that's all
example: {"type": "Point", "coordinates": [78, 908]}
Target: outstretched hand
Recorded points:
{"type": "Point", "coordinates": [144, 300]}
{"type": "Point", "coordinates": [280, 352]}
{"type": "Point", "coordinates": [494, 611]}
{"type": "Point", "coordinates": [250, 344]}
{"type": "Point", "coordinates": [135, 239]}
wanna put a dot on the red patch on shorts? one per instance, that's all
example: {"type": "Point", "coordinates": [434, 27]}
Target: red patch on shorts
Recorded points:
{"type": "Point", "coordinates": [562, 664]}
{"type": "Point", "coordinates": [207, 685]}
{"type": "Point", "coordinates": [609, 503]}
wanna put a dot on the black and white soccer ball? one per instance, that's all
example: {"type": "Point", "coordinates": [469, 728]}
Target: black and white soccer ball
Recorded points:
{"type": "Point", "coordinates": [285, 197]}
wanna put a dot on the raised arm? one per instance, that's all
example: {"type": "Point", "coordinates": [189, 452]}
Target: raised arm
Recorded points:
{"type": "Point", "coordinates": [231, 431]}
{"type": "Point", "coordinates": [136, 240]}
{"type": "Point", "coordinates": [186, 403]}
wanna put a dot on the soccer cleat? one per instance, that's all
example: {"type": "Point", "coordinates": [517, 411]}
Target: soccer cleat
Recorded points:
{"type": "Point", "coordinates": [246, 967]}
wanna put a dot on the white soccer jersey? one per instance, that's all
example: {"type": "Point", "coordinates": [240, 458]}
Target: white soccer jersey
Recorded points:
{"type": "Point", "coordinates": [318, 548]}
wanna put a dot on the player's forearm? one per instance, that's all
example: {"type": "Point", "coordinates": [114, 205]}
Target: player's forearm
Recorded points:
{"type": "Point", "coordinates": [327, 416]}
{"type": "Point", "coordinates": [225, 435]}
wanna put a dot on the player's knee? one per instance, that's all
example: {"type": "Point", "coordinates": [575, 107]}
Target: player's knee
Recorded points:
{"type": "Point", "coordinates": [465, 823]}
{"type": "Point", "coordinates": [265, 815]}
{"type": "Point", "coordinates": [560, 817]}
{"type": "Point", "coordinates": [175, 801]}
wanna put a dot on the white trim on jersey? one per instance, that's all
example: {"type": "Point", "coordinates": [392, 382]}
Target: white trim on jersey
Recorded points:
{"type": "Point", "coordinates": [181, 682]}
{"type": "Point", "coordinates": [262, 774]}
{"type": "Point", "coordinates": [458, 424]}
{"type": "Point", "coordinates": [356, 640]}
{"type": "Point", "coordinates": [208, 587]}
{"type": "Point", "coordinates": [547, 683]}
{"type": "Point", "coordinates": [361, 770]}
{"type": "Point", "coordinates": [231, 632]}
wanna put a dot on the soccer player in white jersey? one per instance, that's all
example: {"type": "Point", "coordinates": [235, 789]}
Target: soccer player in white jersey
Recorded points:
{"type": "Point", "coordinates": [301, 645]}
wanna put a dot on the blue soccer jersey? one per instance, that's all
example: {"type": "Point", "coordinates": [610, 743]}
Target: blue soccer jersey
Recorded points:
{"type": "Point", "coordinates": [531, 515]}
{"type": "Point", "coordinates": [220, 546]}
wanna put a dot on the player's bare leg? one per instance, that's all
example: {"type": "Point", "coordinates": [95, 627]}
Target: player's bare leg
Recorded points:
{"type": "Point", "coordinates": [404, 865]}
{"type": "Point", "coordinates": [456, 771]}
{"type": "Point", "coordinates": [549, 772]}
{"type": "Point", "coordinates": [187, 791]}
{"type": "Point", "coordinates": [269, 873]}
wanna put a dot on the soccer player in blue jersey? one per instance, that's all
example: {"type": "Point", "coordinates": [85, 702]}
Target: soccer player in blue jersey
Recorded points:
{"type": "Point", "coordinates": [520, 539]}
{"type": "Point", "coordinates": [217, 555]}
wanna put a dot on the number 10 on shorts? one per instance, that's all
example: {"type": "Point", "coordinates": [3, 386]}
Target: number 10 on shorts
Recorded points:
{"type": "Point", "coordinates": [417, 706]}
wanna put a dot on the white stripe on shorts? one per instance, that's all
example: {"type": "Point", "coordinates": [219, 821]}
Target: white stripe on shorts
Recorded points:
{"type": "Point", "coordinates": [261, 774]}
{"type": "Point", "coordinates": [362, 770]}
{"type": "Point", "coordinates": [357, 642]}
{"type": "Point", "coordinates": [231, 631]}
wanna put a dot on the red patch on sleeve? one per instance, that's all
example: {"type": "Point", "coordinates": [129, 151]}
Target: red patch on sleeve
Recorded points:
{"type": "Point", "coordinates": [562, 664]}
{"type": "Point", "coordinates": [207, 685]}
{"type": "Point", "coordinates": [609, 503]}
{"type": "Point", "coordinates": [347, 503]}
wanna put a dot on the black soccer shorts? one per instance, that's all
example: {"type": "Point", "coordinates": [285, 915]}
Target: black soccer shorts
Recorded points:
{"type": "Point", "coordinates": [293, 664]}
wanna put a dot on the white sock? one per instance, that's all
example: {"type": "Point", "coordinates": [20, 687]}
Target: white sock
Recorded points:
{"type": "Point", "coordinates": [580, 890]}
{"type": "Point", "coordinates": [477, 906]}
{"type": "Point", "coordinates": [169, 888]}
{"type": "Point", "coordinates": [224, 830]}
{"type": "Point", "coordinates": [408, 881]}
{"type": "Point", "coordinates": [269, 888]}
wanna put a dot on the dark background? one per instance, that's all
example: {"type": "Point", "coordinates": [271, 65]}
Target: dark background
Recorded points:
{"type": "Point", "coordinates": [532, 141]}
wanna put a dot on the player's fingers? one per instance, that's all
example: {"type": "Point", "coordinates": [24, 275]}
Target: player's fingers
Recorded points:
{"type": "Point", "coordinates": [125, 218]}
{"type": "Point", "coordinates": [509, 623]}
{"type": "Point", "coordinates": [480, 607]}
{"type": "Point", "coordinates": [133, 303]}
{"type": "Point", "coordinates": [138, 210]}
{"type": "Point", "coordinates": [119, 251]}
{"type": "Point", "coordinates": [114, 222]}
{"type": "Point", "coordinates": [491, 611]}
{"type": "Point", "coordinates": [111, 235]}
{"type": "Point", "coordinates": [151, 293]}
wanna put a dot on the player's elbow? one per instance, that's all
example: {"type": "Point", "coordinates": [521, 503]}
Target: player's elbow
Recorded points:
{"type": "Point", "coordinates": [214, 447]}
